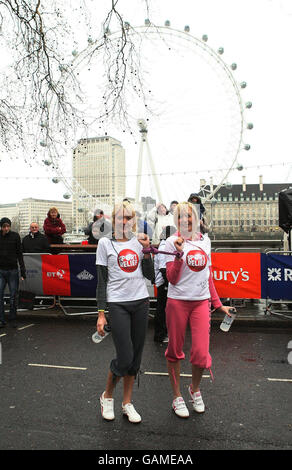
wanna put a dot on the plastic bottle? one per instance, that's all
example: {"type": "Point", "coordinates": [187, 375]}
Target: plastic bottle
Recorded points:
{"type": "Point", "coordinates": [97, 338]}
{"type": "Point", "coordinates": [227, 320]}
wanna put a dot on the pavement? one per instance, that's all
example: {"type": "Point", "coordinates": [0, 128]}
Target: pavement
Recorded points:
{"type": "Point", "coordinates": [52, 376]}
{"type": "Point", "coordinates": [258, 313]}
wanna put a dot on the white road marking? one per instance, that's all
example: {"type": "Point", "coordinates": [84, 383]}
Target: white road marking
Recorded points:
{"type": "Point", "coordinates": [166, 373]}
{"type": "Point", "coordinates": [279, 380]}
{"type": "Point", "coordinates": [58, 367]}
{"type": "Point", "coordinates": [27, 326]}
{"type": "Point", "coordinates": [4, 334]}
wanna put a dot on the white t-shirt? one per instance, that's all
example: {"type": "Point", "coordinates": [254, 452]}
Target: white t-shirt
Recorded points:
{"type": "Point", "coordinates": [194, 280]}
{"type": "Point", "coordinates": [123, 260]}
{"type": "Point", "coordinates": [159, 263]}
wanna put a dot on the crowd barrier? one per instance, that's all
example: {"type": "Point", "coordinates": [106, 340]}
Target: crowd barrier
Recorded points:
{"type": "Point", "coordinates": [236, 276]}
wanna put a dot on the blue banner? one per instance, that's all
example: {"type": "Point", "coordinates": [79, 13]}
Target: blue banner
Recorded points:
{"type": "Point", "coordinates": [83, 277]}
{"type": "Point", "coordinates": [276, 274]}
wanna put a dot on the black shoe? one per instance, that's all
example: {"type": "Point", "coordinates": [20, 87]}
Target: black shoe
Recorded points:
{"type": "Point", "coordinates": [158, 339]}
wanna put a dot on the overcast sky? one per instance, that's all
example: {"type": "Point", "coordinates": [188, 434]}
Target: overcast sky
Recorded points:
{"type": "Point", "coordinates": [195, 128]}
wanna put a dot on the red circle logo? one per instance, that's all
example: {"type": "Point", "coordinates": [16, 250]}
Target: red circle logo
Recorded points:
{"type": "Point", "coordinates": [196, 260]}
{"type": "Point", "coordinates": [128, 260]}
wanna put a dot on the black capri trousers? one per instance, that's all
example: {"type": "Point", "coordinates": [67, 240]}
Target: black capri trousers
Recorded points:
{"type": "Point", "coordinates": [129, 321]}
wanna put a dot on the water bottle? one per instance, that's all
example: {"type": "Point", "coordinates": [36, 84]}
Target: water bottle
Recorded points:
{"type": "Point", "coordinates": [97, 338]}
{"type": "Point", "coordinates": [227, 320]}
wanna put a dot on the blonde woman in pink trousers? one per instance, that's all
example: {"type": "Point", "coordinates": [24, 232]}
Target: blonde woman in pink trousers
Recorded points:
{"type": "Point", "coordinates": [190, 293]}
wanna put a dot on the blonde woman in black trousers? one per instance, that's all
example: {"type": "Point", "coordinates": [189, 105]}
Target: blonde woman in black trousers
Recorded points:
{"type": "Point", "coordinates": [122, 268]}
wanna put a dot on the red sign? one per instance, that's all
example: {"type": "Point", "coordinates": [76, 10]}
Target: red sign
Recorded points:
{"type": "Point", "coordinates": [56, 275]}
{"type": "Point", "coordinates": [237, 275]}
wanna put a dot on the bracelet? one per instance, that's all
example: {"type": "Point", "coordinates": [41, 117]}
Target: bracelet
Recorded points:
{"type": "Point", "coordinates": [100, 310]}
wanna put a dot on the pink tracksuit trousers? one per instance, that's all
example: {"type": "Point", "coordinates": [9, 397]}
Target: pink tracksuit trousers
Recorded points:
{"type": "Point", "coordinates": [195, 312]}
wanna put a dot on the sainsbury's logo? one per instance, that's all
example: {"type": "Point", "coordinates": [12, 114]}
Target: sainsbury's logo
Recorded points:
{"type": "Point", "coordinates": [231, 276]}
{"type": "Point", "coordinates": [237, 275]}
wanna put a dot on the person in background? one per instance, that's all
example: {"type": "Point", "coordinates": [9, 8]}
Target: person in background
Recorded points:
{"type": "Point", "coordinates": [196, 199]}
{"type": "Point", "coordinates": [172, 207]}
{"type": "Point", "coordinates": [54, 228]}
{"type": "Point", "coordinates": [10, 258]}
{"type": "Point", "coordinates": [158, 218]}
{"type": "Point", "coordinates": [121, 271]}
{"type": "Point", "coordinates": [190, 290]}
{"type": "Point", "coordinates": [35, 242]}
{"type": "Point", "coordinates": [142, 225]}
{"type": "Point", "coordinates": [98, 228]}
{"type": "Point", "coordinates": [161, 282]}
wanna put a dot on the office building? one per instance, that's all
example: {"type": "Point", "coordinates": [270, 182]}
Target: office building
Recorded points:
{"type": "Point", "coordinates": [98, 177]}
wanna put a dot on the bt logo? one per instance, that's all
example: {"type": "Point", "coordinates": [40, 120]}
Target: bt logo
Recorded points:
{"type": "Point", "coordinates": [58, 275]}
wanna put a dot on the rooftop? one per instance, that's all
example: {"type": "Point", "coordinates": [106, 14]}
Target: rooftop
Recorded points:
{"type": "Point", "coordinates": [258, 191]}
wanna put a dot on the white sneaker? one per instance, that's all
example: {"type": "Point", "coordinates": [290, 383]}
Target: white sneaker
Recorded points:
{"type": "Point", "coordinates": [197, 401]}
{"type": "Point", "coordinates": [107, 408]}
{"type": "Point", "coordinates": [129, 410]}
{"type": "Point", "coordinates": [180, 408]}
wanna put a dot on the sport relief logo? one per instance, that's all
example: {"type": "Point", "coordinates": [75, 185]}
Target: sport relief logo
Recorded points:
{"type": "Point", "coordinates": [128, 260]}
{"type": "Point", "coordinates": [196, 260]}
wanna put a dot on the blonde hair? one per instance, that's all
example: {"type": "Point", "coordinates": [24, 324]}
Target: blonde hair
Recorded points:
{"type": "Point", "coordinates": [53, 209]}
{"type": "Point", "coordinates": [125, 207]}
{"type": "Point", "coordinates": [184, 207]}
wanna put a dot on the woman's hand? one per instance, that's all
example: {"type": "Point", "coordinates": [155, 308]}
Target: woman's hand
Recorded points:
{"type": "Point", "coordinates": [178, 243]}
{"type": "Point", "coordinates": [101, 322]}
{"type": "Point", "coordinates": [143, 239]}
{"type": "Point", "coordinates": [226, 310]}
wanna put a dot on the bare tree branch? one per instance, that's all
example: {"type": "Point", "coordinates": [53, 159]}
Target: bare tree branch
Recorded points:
{"type": "Point", "coordinates": [43, 98]}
